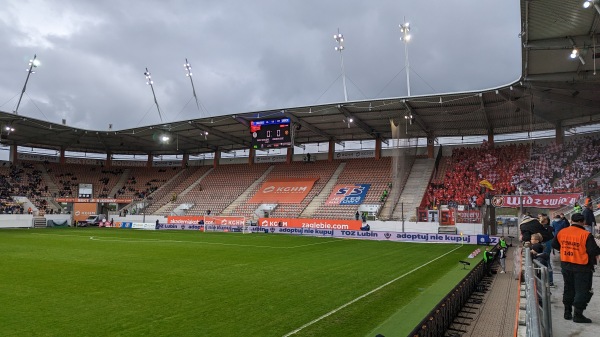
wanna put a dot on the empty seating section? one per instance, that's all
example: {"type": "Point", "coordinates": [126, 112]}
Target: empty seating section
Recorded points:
{"type": "Point", "coordinates": [172, 190]}
{"type": "Point", "coordinates": [142, 182]}
{"type": "Point", "coordinates": [223, 185]}
{"type": "Point", "coordinates": [377, 173]}
{"type": "Point", "coordinates": [318, 169]}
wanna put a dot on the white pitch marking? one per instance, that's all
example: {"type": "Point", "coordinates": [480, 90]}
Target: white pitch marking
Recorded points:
{"type": "Point", "coordinates": [365, 295]}
{"type": "Point", "coordinates": [100, 238]}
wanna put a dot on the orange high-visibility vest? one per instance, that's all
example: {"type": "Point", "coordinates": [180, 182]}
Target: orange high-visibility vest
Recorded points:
{"type": "Point", "coordinates": [572, 245]}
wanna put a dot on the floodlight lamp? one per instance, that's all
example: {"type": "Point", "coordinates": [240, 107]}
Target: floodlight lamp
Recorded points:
{"type": "Point", "coordinates": [351, 120]}
{"type": "Point", "coordinates": [404, 28]}
{"type": "Point", "coordinates": [407, 37]}
{"type": "Point", "coordinates": [587, 4]}
{"type": "Point", "coordinates": [574, 53]}
{"type": "Point", "coordinates": [164, 138]}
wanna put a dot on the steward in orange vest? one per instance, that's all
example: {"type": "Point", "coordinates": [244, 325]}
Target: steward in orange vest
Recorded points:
{"type": "Point", "coordinates": [578, 251]}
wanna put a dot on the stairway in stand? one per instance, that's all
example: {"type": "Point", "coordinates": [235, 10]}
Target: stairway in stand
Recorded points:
{"type": "Point", "coordinates": [415, 188]}
{"type": "Point", "coordinates": [319, 200]}
{"type": "Point", "coordinates": [39, 222]}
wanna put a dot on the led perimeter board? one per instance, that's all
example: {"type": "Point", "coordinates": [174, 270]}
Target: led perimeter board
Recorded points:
{"type": "Point", "coordinates": [271, 133]}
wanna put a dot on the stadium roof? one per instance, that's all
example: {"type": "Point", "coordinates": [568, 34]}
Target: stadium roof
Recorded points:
{"type": "Point", "coordinates": [555, 90]}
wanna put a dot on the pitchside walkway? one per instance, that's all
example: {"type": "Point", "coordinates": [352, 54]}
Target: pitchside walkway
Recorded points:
{"type": "Point", "coordinates": [498, 314]}
{"type": "Point", "coordinates": [498, 310]}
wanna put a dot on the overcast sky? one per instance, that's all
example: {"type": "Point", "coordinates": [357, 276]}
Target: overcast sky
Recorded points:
{"type": "Point", "coordinates": [245, 55]}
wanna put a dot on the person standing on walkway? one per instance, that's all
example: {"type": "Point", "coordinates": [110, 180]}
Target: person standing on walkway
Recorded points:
{"type": "Point", "coordinates": [545, 221]}
{"type": "Point", "coordinates": [588, 218]}
{"type": "Point", "coordinates": [502, 259]}
{"type": "Point", "coordinates": [503, 244]}
{"type": "Point", "coordinates": [488, 259]}
{"type": "Point", "coordinates": [578, 255]}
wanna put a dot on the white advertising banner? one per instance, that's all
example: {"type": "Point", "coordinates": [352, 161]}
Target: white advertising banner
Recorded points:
{"type": "Point", "coordinates": [85, 161]}
{"type": "Point", "coordinates": [129, 163]}
{"type": "Point", "coordinates": [142, 225]}
{"type": "Point", "coordinates": [270, 159]}
{"type": "Point", "coordinates": [37, 157]}
{"type": "Point", "coordinates": [167, 163]}
{"type": "Point", "coordinates": [355, 154]}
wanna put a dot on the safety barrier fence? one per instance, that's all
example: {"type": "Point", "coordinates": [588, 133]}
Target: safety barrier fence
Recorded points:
{"type": "Point", "coordinates": [443, 315]}
{"type": "Point", "coordinates": [537, 293]}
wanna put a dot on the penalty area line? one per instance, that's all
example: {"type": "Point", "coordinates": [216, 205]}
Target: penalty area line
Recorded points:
{"type": "Point", "coordinates": [365, 295]}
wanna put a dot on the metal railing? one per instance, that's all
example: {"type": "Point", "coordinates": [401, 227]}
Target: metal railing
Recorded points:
{"type": "Point", "coordinates": [537, 292]}
{"type": "Point", "coordinates": [442, 316]}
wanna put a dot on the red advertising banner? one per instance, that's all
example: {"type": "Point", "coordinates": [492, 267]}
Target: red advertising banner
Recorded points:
{"type": "Point", "coordinates": [224, 220]}
{"type": "Point", "coordinates": [208, 220]}
{"type": "Point", "coordinates": [81, 210]}
{"type": "Point", "coordinates": [95, 200]}
{"type": "Point", "coordinates": [311, 223]}
{"type": "Point", "coordinates": [536, 200]}
{"type": "Point", "coordinates": [284, 191]}
{"type": "Point", "coordinates": [470, 216]}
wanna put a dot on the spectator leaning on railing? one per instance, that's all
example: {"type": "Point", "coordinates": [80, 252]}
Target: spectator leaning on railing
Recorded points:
{"type": "Point", "coordinates": [530, 226]}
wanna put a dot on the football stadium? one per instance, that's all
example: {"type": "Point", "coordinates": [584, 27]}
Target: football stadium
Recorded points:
{"type": "Point", "coordinates": [404, 219]}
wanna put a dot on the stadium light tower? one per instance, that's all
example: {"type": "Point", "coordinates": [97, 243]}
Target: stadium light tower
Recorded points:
{"type": "Point", "coordinates": [405, 29]}
{"type": "Point", "coordinates": [150, 83]}
{"type": "Point", "coordinates": [340, 47]}
{"type": "Point", "coordinates": [188, 73]}
{"type": "Point", "coordinates": [33, 63]}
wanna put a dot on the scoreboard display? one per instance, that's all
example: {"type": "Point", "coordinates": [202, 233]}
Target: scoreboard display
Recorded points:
{"type": "Point", "coordinates": [271, 133]}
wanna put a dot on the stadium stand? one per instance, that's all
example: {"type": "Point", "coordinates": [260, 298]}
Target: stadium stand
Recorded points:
{"type": "Point", "coordinates": [217, 189]}
{"type": "Point", "coordinates": [359, 171]}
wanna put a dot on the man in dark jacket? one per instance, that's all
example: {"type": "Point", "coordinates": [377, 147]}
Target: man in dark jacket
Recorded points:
{"type": "Point", "coordinates": [559, 223]}
{"type": "Point", "coordinates": [588, 218]}
{"type": "Point", "coordinates": [530, 225]}
{"type": "Point", "coordinates": [578, 255]}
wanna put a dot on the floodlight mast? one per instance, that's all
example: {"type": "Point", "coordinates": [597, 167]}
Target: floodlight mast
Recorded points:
{"type": "Point", "coordinates": [150, 83]}
{"type": "Point", "coordinates": [188, 69]}
{"type": "Point", "coordinates": [340, 47]}
{"type": "Point", "coordinates": [405, 29]}
{"type": "Point", "coordinates": [33, 63]}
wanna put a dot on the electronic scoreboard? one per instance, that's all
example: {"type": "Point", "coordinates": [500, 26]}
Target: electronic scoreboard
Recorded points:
{"type": "Point", "coordinates": [271, 133]}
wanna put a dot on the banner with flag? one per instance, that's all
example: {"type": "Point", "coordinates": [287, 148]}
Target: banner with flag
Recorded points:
{"type": "Point", "coordinates": [486, 184]}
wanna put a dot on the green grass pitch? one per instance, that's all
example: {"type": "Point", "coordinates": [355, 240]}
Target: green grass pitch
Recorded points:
{"type": "Point", "coordinates": [117, 282]}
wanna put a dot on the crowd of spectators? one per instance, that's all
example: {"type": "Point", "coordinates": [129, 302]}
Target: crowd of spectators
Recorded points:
{"type": "Point", "coordinates": [469, 166]}
{"type": "Point", "coordinates": [539, 168]}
